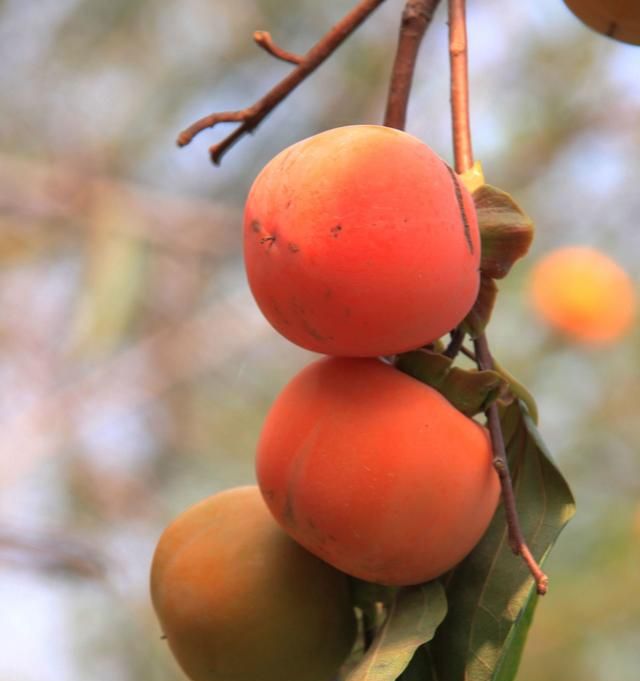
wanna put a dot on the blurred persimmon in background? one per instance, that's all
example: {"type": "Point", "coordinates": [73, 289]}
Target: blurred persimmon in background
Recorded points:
{"type": "Point", "coordinates": [584, 294]}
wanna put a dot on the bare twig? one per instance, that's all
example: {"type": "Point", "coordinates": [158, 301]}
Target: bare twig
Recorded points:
{"type": "Point", "coordinates": [253, 115]}
{"type": "Point", "coordinates": [264, 40]}
{"type": "Point", "coordinates": [416, 18]}
{"type": "Point", "coordinates": [463, 154]}
{"type": "Point", "coordinates": [463, 151]}
{"type": "Point", "coordinates": [517, 541]}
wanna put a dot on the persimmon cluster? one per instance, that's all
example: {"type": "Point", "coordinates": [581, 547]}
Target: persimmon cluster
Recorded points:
{"type": "Point", "coordinates": [360, 243]}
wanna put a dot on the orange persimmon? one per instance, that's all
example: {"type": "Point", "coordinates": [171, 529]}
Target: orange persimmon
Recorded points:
{"type": "Point", "coordinates": [618, 19]}
{"type": "Point", "coordinates": [361, 241]}
{"type": "Point", "coordinates": [584, 294]}
{"type": "Point", "coordinates": [376, 472]}
{"type": "Point", "coordinates": [238, 599]}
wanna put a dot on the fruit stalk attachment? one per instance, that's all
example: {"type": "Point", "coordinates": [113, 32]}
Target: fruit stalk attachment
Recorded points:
{"type": "Point", "coordinates": [463, 154]}
{"type": "Point", "coordinates": [250, 117]}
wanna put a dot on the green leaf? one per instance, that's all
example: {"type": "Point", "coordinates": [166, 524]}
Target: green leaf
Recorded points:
{"type": "Point", "coordinates": [478, 318]}
{"type": "Point", "coordinates": [418, 668]}
{"type": "Point", "coordinates": [490, 593]}
{"type": "Point", "coordinates": [470, 391]}
{"type": "Point", "coordinates": [508, 667]}
{"type": "Point", "coordinates": [413, 618]}
{"type": "Point", "coordinates": [505, 229]}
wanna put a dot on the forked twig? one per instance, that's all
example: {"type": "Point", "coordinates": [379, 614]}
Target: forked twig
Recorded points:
{"type": "Point", "coordinates": [264, 40]}
{"type": "Point", "coordinates": [250, 117]}
{"type": "Point", "coordinates": [463, 154]}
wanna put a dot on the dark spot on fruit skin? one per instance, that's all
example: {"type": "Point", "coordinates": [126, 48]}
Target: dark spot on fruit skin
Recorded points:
{"type": "Point", "coordinates": [269, 240]}
{"type": "Point", "coordinates": [314, 333]}
{"type": "Point", "coordinates": [256, 226]}
{"type": "Point", "coordinates": [335, 231]}
{"type": "Point", "coordinates": [461, 207]}
{"type": "Point", "coordinates": [327, 294]}
{"type": "Point", "coordinates": [294, 248]}
{"type": "Point", "coordinates": [611, 31]}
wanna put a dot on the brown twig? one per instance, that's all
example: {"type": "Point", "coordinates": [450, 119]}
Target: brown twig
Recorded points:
{"type": "Point", "coordinates": [463, 152]}
{"type": "Point", "coordinates": [253, 115]}
{"type": "Point", "coordinates": [463, 155]}
{"type": "Point", "coordinates": [416, 18]}
{"type": "Point", "coordinates": [264, 40]}
{"type": "Point", "coordinates": [517, 541]}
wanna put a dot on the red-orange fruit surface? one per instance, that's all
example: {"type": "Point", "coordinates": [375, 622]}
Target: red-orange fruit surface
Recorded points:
{"type": "Point", "coordinates": [361, 241]}
{"type": "Point", "coordinates": [238, 600]}
{"type": "Point", "coordinates": [375, 472]}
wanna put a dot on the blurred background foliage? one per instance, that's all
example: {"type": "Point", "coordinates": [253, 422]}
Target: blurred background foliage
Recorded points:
{"type": "Point", "coordinates": [135, 369]}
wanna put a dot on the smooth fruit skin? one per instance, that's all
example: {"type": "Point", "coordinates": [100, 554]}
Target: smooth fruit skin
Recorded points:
{"type": "Point", "coordinates": [238, 600]}
{"type": "Point", "coordinates": [618, 19]}
{"type": "Point", "coordinates": [583, 294]}
{"type": "Point", "coordinates": [375, 472]}
{"type": "Point", "coordinates": [361, 241]}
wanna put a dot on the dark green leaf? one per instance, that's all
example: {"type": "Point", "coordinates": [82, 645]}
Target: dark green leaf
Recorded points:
{"type": "Point", "coordinates": [469, 391]}
{"type": "Point", "coordinates": [514, 647]}
{"type": "Point", "coordinates": [490, 592]}
{"type": "Point", "coordinates": [413, 618]}
{"type": "Point", "coordinates": [506, 231]}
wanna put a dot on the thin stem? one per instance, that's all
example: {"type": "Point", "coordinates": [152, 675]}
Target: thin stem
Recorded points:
{"type": "Point", "coordinates": [463, 151]}
{"type": "Point", "coordinates": [517, 541]}
{"type": "Point", "coordinates": [463, 154]}
{"type": "Point", "coordinates": [250, 117]}
{"type": "Point", "coordinates": [264, 40]}
{"type": "Point", "coordinates": [416, 18]}
{"type": "Point", "coordinates": [455, 344]}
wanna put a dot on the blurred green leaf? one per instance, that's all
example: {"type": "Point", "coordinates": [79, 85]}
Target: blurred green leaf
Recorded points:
{"type": "Point", "coordinates": [115, 277]}
{"type": "Point", "coordinates": [413, 618]}
{"type": "Point", "coordinates": [490, 592]}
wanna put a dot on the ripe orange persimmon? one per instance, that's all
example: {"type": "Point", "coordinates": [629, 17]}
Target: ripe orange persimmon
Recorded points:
{"type": "Point", "coordinates": [238, 599]}
{"type": "Point", "coordinates": [361, 241]}
{"type": "Point", "coordinates": [375, 472]}
{"type": "Point", "coordinates": [584, 294]}
{"type": "Point", "coordinates": [619, 19]}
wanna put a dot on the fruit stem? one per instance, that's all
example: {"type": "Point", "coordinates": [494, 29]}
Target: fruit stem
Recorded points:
{"type": "Point", "coordinates": [461, 128]}
{"type": "Point", "coordinates": [516, 538]}
{"type": "Point", "coordinates": [250, 117]}
{"type": "Point", "coordinates": [456, 342]}
{"type": "Point", "coordinates": [463, 155]}
{"type": "Point", "coordinates": [416, 18]}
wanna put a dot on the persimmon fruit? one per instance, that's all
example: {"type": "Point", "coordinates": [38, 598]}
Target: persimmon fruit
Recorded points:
{"type": "Point", "coordinates": [583, 294]}
{"type": "Point", "coordinates": [361, 241]}
{"type": "Point", "coordinates": [238, 600]}
{"type": "Point", "coordinates": [375, 472]}
{"type": "Point", "coordinates": [618, 19]}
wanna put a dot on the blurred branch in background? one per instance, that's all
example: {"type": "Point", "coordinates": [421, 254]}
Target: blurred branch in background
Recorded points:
{"type": "Point", "coordinates": [59, 555]}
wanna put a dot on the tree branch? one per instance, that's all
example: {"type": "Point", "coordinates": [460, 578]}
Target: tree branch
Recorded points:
{"type": "Point", "coordinates": [264, 40]}
{"type": "Point", "coordinates": [463, 154]}
{"type": "Point", "coordinates": [416, 18]}
{"type": "Point", "coordinates": [250, 117]}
